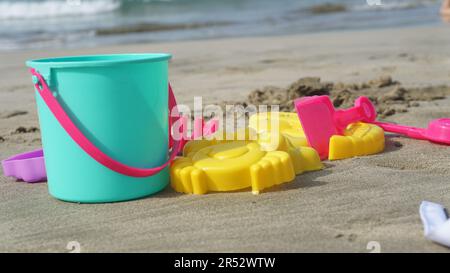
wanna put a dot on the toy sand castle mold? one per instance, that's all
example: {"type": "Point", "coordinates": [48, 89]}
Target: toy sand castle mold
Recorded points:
{"type": "Point", "coordinates": [228, 165]}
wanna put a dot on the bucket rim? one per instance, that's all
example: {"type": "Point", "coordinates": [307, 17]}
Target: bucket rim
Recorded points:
{"type": "Point", "coordinates": [98, 60]}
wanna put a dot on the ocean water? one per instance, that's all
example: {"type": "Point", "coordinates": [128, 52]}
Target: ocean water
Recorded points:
{"type": "Point", "coordinates": [47, 24]}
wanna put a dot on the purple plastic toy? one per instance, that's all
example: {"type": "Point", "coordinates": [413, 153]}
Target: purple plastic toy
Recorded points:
{"type": "Point", "coordinates": [29, 167]}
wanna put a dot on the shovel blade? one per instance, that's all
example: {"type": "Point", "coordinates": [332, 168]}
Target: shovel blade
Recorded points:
{"type": "Point", "coordinates": [316, 116]}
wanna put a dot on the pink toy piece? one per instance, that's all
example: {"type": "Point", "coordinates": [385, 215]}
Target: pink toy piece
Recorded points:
{"type": "Point", "coordinates": [438, 130]}
{"type": "Point", "coordinates": [29, 167]}
{"type": "Point", "coordinates": [320, 120]}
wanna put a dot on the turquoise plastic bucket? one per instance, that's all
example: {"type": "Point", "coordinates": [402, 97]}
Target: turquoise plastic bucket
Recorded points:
{"type": "Point", "coordinates": [120, 103]}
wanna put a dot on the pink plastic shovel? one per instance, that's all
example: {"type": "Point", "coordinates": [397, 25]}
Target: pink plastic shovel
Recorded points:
{"type": "Point", "coordinates": [320, 121]}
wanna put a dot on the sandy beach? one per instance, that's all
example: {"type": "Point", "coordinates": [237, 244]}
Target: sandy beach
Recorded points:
{"type": "Point", "coordinates": [339, 209]}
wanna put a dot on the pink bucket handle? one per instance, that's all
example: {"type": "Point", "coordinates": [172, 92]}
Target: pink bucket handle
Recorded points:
{"type": "Point", "coordinates": [89, 147]}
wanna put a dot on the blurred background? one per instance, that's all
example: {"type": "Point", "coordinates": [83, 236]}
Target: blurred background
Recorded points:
{"type": "Point", "coordinates": [26, 24]}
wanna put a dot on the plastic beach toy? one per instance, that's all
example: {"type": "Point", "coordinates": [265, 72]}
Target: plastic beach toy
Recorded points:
{"type": "Point", "coordinates": [104, 123]}
{"type": "Point", "coordinates": [29, 167]}
{"type": "Point", "coordinates": [288, 124]}
{"type": "Point", "coordinates": [436, 222]}
{"type": "Point", "coordinates": [227, 164]}
{"type": "Point", "coordinates": [320, 121]}
{"type": "Point", "coordinates": [358, 139]}
{"type": "Point", "coordinates": [438, 130]}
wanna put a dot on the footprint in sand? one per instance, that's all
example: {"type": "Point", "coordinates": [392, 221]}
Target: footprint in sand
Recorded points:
{"type": "Point", "coordinates": [24, 130]}
{"type": "Point", "coordinates": [15, 113]}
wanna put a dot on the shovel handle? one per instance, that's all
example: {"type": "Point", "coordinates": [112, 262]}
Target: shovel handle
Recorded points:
{"type": "Point", "coordinates": [362, 111]}
{"type": "Point", "coordinates": [412, 132]}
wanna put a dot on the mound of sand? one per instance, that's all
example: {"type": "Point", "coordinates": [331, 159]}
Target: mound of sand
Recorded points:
{"type": "Point", "coordinates": [388, 96]}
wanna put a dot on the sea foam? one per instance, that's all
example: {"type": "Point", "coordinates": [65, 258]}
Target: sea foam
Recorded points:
{"type": "Point", "coordinates": [55, 8]}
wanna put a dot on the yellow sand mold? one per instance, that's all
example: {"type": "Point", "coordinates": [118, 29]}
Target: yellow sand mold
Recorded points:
{"type": "Point", "coordinates": [227, 165]}
{"type": "Point", "coordinates": [359, 139]}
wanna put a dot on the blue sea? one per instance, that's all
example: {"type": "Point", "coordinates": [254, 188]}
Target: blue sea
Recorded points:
{"type": "Point", "coordinates": [26, 24]}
